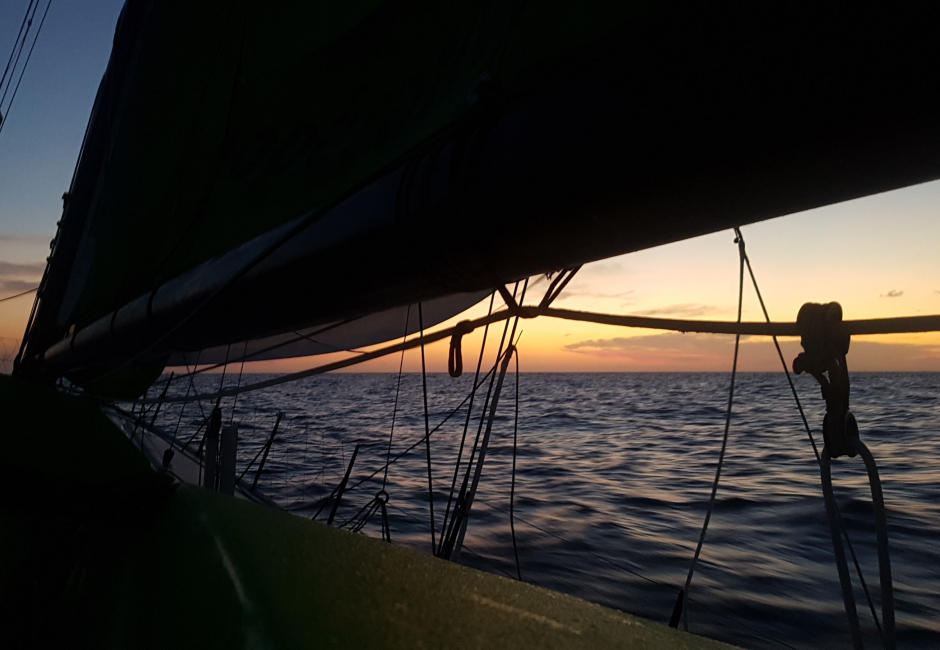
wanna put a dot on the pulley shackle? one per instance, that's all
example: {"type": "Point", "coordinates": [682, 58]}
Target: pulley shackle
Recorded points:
{"type": "Point", "coordinates": [825, 344]}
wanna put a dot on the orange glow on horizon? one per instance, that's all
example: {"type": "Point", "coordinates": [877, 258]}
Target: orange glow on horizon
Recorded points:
{"type": "Point", "coordinates": [876, 256]}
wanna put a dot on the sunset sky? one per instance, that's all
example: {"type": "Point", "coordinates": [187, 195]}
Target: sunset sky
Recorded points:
{"type": "Point", "coordinates": [877, 256]}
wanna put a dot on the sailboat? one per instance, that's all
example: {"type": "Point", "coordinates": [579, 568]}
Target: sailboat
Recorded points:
{"type": "Point", "coordinates": [269, 181]}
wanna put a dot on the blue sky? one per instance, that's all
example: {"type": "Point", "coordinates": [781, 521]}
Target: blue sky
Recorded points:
{"type": "Point", "coordinates": [43, 135]}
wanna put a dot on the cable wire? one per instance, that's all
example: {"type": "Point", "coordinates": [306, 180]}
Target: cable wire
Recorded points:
{"type": "Point", "coordinates": [512, 484]}
{"type": "Point", "coordinates": [26, 63]}
{"type": "Point", "coordinates": [809, 434]}
{"type": "Point", "coordinates": [724, 443]}
{"type": "Point", "coordinates": [427, 431]}
{"type": "Point", "coordinates": [401, 365]}
{"type": "Point", "coordinates": [16, 42]}
{"type": "Point", "coordinates": [466, 425]}
{"type": "Point", "coordinates": [19, 295]}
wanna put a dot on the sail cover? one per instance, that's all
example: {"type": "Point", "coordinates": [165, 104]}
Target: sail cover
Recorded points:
{"type": "Point", "coordinates": [251, 169]}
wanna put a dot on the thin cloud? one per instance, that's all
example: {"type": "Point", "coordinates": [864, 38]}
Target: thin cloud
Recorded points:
{"type": "Point", "coordinates": [606, 267]}
{"type": "Point", "coordinates": [685, 309]}
{"type": "Point", "coordinates": [705, 352]}
{"type": "Point", "coordinates": [16, 286]}
{"type": "Point", "coordinates": [593, 294]}
{"type": "Point", "coordinates": [19, 270]}
{"type": "Point", "coordinates": [894, 293]}
{"type": "Point", "coordinates": [24, 239]}
{"type": "Point", "coordinates": [16, 277]}
{"type": "Point", "coordinates": [657, 349]}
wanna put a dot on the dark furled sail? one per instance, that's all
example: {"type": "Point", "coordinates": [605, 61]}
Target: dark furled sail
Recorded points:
{"type": "Point", "coordinates": [251, 170]}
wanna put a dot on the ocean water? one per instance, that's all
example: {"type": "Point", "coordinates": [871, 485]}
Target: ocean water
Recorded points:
{"type": "Point", "coordinates": [613, 477]}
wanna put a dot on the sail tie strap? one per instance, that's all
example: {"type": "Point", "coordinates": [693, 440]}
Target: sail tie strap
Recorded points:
{"type": "Point", "coordinates": [455, 357]}
{"type": "Point", "coordinates": [826, 342]}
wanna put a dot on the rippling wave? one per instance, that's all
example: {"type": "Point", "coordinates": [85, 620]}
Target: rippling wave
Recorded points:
{"type": "Point", "coordinates": [613, 477]}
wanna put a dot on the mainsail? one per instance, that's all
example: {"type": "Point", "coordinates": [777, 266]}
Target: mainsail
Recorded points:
{"type": "Point", "coordinates": [250, 171]}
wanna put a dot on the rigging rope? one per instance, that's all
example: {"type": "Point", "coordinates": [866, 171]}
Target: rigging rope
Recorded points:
{"type": "Point", "coordinates": [884, 554]}
{"type": "Point", "coordinates": [844, 581]}
{"type": "Point", "coordinates": [179, 421]}
{"type": "Point", "coordinates": [904, 324]}
{"type": "Point", "coordinates": [809, 434]}
{"type": "Point", "coordinates": [401, 365]}
{"type": "Point", "coordinates": [25, 63]}
{"type": "Point", "coordinates": [465, 500]}
{"type": "Point", "coordinates": [19, 44]}
{"type": "Point", "coordinates": [684, 594]}
{"type": "Point", "coordinates": [450, 531]}
{"type": "Point", "coordinates": [512, 484]}
{"type": "Point", "coordinates": [457, 523]}
{"type": "Point", "coordinates": [16, 42]}
{"type": "Point", "coordinates": [238, 384]}
{"type": "Point", "coordinates": [466, 425]}
{"type": "Point", "coordinates": [19, 295]}
{"type": "Point", "coordinates": [826, 344]}
{"type": "Point", "coordinates": [218, 400]}
{"type": "Point", "coordinates": [420, 440]}
{"type": "Point", "coordinates": [557, 285]}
